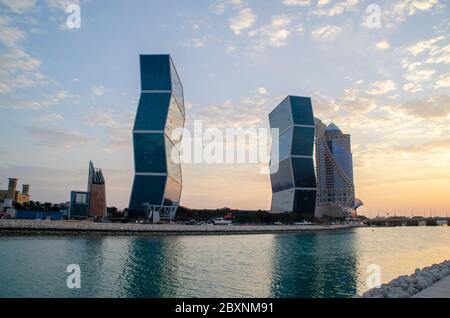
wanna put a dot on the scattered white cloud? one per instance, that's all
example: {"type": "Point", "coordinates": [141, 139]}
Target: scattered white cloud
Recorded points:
{"type": "Point", "coordinates": [381, 87]}
{"type": "Point", "coordinates": [244, 20]}
{"type": "Point", "coordinates": [297, 2]}
{"type": "Point", "coordinates": [196, 42]}
{"type": "Point", "coordinates": [324, 9]}
{"type": "Point", "coordinates": [117, 127]}
{"type": "Point", "coordinates": [400, 10]}
{"type": "Point", "coordinates": [37, 104]}
{"type": "Point", "coordinates": [382, 45]}
{"type": "Point", "coordinates": [60, 4]}
{"type": "Point", "coordinates": [428, 108]}
{"type": "Point", "coordinates": [48, 117]}
{"type": "Point", "coordinates": [443, 81]}
{"type": "Point", "coordinates": [98, 90]}
{"type": "Point", "coordinates": [262, 91]}
{"type": "Point", "coordinates": [420, 75]}
{"type": "Point", "coordinates": [19, 6]}
{"type": "Point", "coordinates": [412, 87]}
{"type": "Point", "coordinates": [423, 46]}
{"type": "Point", "coordinates": [220, 6]}
{"type": "Point", "coordinates": [326, 32]}
{"type": "Point", "coordinates": [10, 36]}
{"type": "Point", "coordinates": [274, 34]}
{"type": "Point", "coordinates": [57, 138]}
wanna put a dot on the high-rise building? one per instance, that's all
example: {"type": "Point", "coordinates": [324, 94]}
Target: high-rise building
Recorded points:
{"type": "Point", "coordinates": [334, 167]}
{"type": "Point", "coordinates": [12, 186]}
{"type": "Point", "coordinates": [97, 192]}
{"type": "Point", "coordinates": [294, 184]}
{"type": "Point", "coordinates": [156, 136]}
{"type": "Point", "coordinates": [90, 203]}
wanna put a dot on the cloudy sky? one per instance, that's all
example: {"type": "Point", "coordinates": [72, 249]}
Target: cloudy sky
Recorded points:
{"type": "Point", "coordinates": [70, 95]}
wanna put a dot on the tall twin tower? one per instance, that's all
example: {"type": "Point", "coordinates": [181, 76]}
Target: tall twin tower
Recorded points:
{"type": "Point", "coordinates": [298, 186]}
{"type": "Point", "coordinates": [324, 190]}
{"type": "Point", "coordinates": [158, 181]}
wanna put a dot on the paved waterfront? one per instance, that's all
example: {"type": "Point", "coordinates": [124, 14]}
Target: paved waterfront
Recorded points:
{"type": "Point", "coordinates": [440, 289]}
{"type": "Point", "coordinates": [131, 228]}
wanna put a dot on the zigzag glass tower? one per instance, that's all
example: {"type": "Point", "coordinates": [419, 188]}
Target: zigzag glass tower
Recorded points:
{"type": "Point", "coordinates": [294, 185]}
{"type": "Point", "coordinates": [158, 179]}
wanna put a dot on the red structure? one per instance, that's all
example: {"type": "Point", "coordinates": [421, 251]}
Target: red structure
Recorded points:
{"type": "Point", "coordinates": [97, 192]}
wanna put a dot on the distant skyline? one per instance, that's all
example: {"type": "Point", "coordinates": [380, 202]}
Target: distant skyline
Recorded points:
{"type": "Point", "coordinates": [68, 96]}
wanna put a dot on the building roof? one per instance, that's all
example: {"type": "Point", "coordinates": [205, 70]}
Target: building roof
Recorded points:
{"type": "Point", "coordinates": [333, 127]}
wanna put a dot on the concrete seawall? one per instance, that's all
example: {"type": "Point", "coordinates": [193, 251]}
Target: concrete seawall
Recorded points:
{"type": "Point", "coordinates": [83, 227]}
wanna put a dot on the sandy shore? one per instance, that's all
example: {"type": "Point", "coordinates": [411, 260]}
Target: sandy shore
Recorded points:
{"type": "Point", "coordinates": [85, 227]}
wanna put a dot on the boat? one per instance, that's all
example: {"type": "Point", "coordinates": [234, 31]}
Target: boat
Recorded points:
{"type": "Point", "coordinates": [303, 223]}
{"type": "Point", "coordinates": [222, 221]}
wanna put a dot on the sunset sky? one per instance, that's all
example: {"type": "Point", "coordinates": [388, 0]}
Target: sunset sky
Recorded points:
{"type": "Point", "coordinates": [68, 96]}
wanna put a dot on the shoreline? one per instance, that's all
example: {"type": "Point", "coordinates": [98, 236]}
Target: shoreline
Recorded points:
{"type": "Point", "coordinates": [32, 227]}
{"type": "Point", "coordinates": [429, 282]}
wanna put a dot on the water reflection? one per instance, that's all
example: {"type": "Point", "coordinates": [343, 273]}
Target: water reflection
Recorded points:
{"type": "Point", "coordinates": [324, 264]}
{"type": "Point", "coordinates": [314, 265]}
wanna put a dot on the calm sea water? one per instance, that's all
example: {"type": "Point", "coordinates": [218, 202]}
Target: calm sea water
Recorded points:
{"type": "Point", "coordinates": [326, 264]}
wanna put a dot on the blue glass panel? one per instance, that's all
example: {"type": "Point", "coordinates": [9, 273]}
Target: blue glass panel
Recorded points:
{"type": "Point", "coordinates": [173, 192]}
{"type": "Point", "coordinates": [155, 72]}
{"type": "Point", "coordinates": [304, 174]}
{"type": "Point", "coordinates": [305, 202]}
{"type": "Point", "coordinates": [152, 111]}
{"type": "Point", "coordinates": [177, 87]}
{"type": "Point", "coordinates": [147, 189]}
{"type": "Point", "coordinates": [175, 120]}
{"type": "Point", "coordinates": [302, 111]}
{"type": "Point", "coordinates": [149, 153]}
{"type": "Point", "coordinates": [283, 178]}
{"type": "Point", "coordinates": [285, 143]}
{"type": "Point", "coordinates": [281, 116]}
{"type": "Point", "coordinates": [173, 159]}
{"type": "Point", "coordinates": [303, 141]}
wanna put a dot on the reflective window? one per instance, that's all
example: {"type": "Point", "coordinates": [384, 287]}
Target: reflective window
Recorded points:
{"type": "Point", "coordinates": [155, 72]}
{"type": "Point", "coordinates": [152, 111]}
{"type": "Point", "coordinates": [304, 174]}
{"type": "Point", "coordinates": [147, 189]}
{"type": "Point", "coordinates": [303, 142]}
{"type": "Point", "coordinates": [173, 192]}
{"type": "Point", "coordinates": [281, 116]}
{"type": "Point", "coordinates": [149, 153]}
{"type": "Point", "coordinates": [177, 87]}
{"type": "Point", "coordinates": [173, 159]}
{"type": "Point", "coordinates": [283, 178]}
{"type": "Point", "coordinates": [305, 202]}
{"type": "Point", "coordinates": [285, 143]}
{"type": "Point", "coordinates": [81, 198]}
{"type": "Point", "coordinates": [175, 120]}
{"type": "Point", "coordinates": [302, 110]}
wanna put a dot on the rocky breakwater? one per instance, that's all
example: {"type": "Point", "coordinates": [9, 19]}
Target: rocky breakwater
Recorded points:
{"type": "Point", "coordinates": [407, 286]}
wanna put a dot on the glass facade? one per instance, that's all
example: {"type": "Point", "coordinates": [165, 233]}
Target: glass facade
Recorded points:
{"type": "Point", "coordinates": [152, 111]}
{"type": "Point", "coordinates": [79, 204]}
{"type": "Point", "coordinates": [149, 152]}
{"type": "Point", "coordinates": [304, 175]}
{"type": "Point", "coordinates": [282, 179]}
{"type": "Point", "coordinates": [294, 184]}
{"type": "Point", "coordinates": [303, 141]}
{"type": "Point", "coordinates": [158, 178]}
{"type": "Point", "coordinates": [147, 189]}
